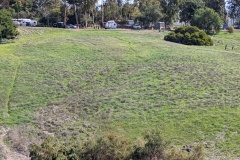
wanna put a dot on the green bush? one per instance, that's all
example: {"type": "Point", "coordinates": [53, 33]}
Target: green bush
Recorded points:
{"type": "Point", "coordinates": [230, 29]}
{"type": "Point", "coordinates": [208, 20]}
{"type": "Point", "coordinates": [8, 30]}
{"type": "Point", "coordinates": [111, 146]}
{"type": "Point", "coordinates": [189, 36]}
{"type": "Point", "coordinates": [52, 149]}
{"type": "Point", "coordinates": [154, 147]}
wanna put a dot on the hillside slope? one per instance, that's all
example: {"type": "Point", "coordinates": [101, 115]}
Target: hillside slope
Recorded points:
{"type": "Point", "coordinates": [77, 83]}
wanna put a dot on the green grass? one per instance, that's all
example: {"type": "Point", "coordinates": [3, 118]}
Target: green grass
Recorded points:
{"type": "Point", "coordinates": [126, 81]}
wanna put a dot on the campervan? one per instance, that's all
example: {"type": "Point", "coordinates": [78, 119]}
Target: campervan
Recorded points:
{"type": "Point", "coordinates": [110, 25]}
{"type": "Point", "coordinates": [26, 22]}
{"type": "Point", "coordinates": [15, 21]}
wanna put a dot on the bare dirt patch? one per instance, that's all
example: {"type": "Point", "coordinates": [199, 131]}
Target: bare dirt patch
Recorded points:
{"type": "Point", "coordinates": [5, 152]}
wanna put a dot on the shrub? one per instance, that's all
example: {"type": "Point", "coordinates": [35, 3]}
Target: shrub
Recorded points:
{"type": "Point", "coordinates": [51, 149]}
{"type": "Point", "coordinates": [8, 30]}
{"type": "Point", "coordinates": [189, 36]}
{"type": "Point", "coordinates": [230, 29]}
{"type": "Point", "coordinates": [153, 149]}
{"type": "Point", "coordinates": [109, 146]}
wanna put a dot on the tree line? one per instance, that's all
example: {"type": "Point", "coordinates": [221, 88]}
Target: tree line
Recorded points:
{"type": "Point", "coordinates": [85, 12]}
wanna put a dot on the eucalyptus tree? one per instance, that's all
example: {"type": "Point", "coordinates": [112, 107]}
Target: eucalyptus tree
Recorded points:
{"type": "Point", "coordinates": [149, 11]}
{"type": "Point", "coordinates": [217, 5]}
{"type": "Point", "coordinates": [233, 9]}
{"type": "Point", "coordinates": [207, 19]}
{"type": "Point", "coordinates": [170, 9]}
{"type": "Point", "coordinates": [188, 8]}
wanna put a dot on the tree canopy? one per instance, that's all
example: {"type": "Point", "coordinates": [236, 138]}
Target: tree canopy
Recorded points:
{"type": "Point", "coordinates": [207, 19]}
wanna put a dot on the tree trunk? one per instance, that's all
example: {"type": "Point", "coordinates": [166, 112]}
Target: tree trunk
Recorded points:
{"type": "Point", "coordinates": [93, 17]}
{"type": "Point", "coordinates": [86, 21]}
{"type": "Point", "coordinates": [76, 16]}
{"type": "Point", "coordinates": [102, 14]}
{"type": "Point", "coordinates": [65, 14]}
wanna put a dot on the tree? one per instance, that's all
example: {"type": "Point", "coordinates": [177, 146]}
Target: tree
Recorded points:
{"type": "Point", "coordinates": [151, 15]}
{"type": "Point", "coordinates": [233, 9]}
{"type": "Point", "coordinates": [8, 30]}
{"type": "Point", "coordinates": [217, 5]}
{"type": "Point", "coordinates": [170, 10]}
{"type": "Point", "coordinates": [188, 9]}
{"type": "Point", "coordinates": [207, 19]}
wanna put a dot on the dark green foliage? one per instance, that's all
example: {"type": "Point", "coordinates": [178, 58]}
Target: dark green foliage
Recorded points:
{"type": "Point", "coordinates": [8, 30]}
{"type": "Point", "coordinates": [189, 36]}
{"type": "Point", "coordinates": [153, 149]}
{"type": "Point", "coordinates": [218, 6]}
{"type": "Point", "coordinates": [151, 15]}
{"type": "Point", "coordinates": [230, 29]}
{"type": "Point", "coordinates": [111, 146]}
{"type": "Point", "coordinates": [207, 20]}
{"type": "Point", "coordinates": [188, 9]}
{"type": "Point", "coordinates": [52, 149]}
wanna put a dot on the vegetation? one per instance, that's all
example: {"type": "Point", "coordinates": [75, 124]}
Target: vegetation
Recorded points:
{"type": "Point", "coordinates": [233, 9]}
{"type": "Point", "coordinates": [8, 30]}
{"type": "Point", "coordinates": [115, 147]}
{"type": "Point", "coordinates": [90, 12]}
{"type": "Point", "coordinates": [230, 29]}
{"type": "Point", "coordinates": [77, 84]}
{"type": "Point", "coordinates": [189, 36]}
{"type": "Point", "coordinates": [207, 20]}
{"type": "Point", "coordinates": [188, 9]}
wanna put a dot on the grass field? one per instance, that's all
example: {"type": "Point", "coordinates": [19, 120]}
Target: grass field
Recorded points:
{"type": "Point", "coordinates": [125, 81]}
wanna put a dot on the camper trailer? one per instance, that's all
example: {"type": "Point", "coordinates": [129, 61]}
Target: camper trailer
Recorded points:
{"type": "Point", "coordinates": [110, 25]}
{"type": "Point", "coordinates": [159, 25]}
{"type": "Point", "coordinates": [26, 22]}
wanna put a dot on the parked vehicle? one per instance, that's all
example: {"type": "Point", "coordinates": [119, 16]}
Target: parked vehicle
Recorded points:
{"type": "Point", "coordinates": [71, 26]}
{"type": "Point", "coordinates": [25, 22]}
{"type": "Point", "coordinates": [236, 26]}
{"type": "Point", "coordinates": [110, 25]}
{"type": "Point", "coordinates": [15, 21]}
{"type": "Point", "coordinates": [54, 25]}
{"type": "Point", "coordinates": [137, 26]}
{"type": "Point", "coordinates": [60, 25]}
{"type": "Point", "coordinates": [159, 25]}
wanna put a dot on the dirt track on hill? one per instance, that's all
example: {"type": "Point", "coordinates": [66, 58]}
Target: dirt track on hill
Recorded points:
{"type": "Point", "coordinates": [5, 152]}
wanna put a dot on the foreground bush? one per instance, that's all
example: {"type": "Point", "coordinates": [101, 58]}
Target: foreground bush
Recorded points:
{"type": "Point", "coordinates": [230, 29]}
{"type": "Point", "coordinates": [8, 30]}
{"type": "Point", "coordinates": [154, 148]}
{"type": "Point", "coordinates": [189, 36]}
{"type": "Point", "coordinates": [111, 146]}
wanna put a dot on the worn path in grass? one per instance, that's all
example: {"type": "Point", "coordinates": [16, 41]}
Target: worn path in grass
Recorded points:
{"type": "Point", "coordinates": [125, 81]}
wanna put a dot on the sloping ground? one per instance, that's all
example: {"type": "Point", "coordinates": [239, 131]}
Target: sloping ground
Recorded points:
{"type": "Point", "coordinates": [5, 152]}
{"type": "Point", "coordinates": [72, 84]}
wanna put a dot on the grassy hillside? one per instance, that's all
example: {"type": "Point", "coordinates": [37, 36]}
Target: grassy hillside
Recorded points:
{"type": "Point", "coordinates": [64, 81]}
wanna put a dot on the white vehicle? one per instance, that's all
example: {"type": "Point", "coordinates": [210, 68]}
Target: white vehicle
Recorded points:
{"type": "Point", "coordinates": [110, 25]}
{"type": "Point", "coordinates": [15, 21]}
{"type": "Point", "coordinates": [136, 26]}
{"type": "Point", "coordinates": [26, 22]}
{"type": "Point", "coordinates": [33, 23]}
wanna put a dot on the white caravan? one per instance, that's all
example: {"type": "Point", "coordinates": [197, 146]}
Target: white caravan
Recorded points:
{"type": "Point", "coordinates": [26, 22]}
{"type": "Point", "coordinates": [110, 25]}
